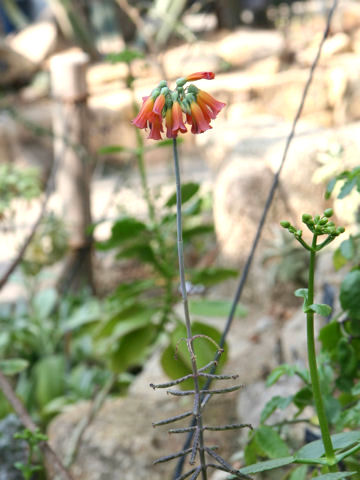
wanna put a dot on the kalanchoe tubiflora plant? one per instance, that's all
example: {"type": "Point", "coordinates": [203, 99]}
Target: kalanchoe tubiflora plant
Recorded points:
{"type": "Point", "coordinates": [198, 108]}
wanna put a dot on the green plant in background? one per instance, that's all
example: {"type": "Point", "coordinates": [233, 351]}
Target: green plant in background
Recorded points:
{"type": "Point", "coordinates": [47, 247]}
{"type": "Point", "coordinates": [33, 439]}
{"type": "Point", "coordinates": [17, 183]}
{"type": "Point", "coordinates": [37, 340]}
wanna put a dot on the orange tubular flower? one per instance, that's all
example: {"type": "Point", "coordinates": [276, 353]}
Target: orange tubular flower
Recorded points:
{"type": "Point", "coordinates": [172, 108]}
{"type": "Point", "coordinates": [146, 114]}
{"type": "Point", "coordinates": [207, 102]}
{"type": "Point", "coordinates": [156, 128]}
{"type": "Point", "coordinates": [199, 123]}
{"type": "Point", "coordinates": [159, 104]}
{"type": "Point", "coordinates": [199, 76]}
{"type": "Point", "coordinates": [169, 124]}
{"type": "Point", "coordinates": [177, 118]}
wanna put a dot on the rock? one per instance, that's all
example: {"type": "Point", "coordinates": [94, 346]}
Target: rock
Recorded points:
{"type": "Point", "coordinates": [236, 216]}
{"type": "Point", "coordinates": [253, 154]}
{"type": "Point", "coordinates": [15, 69]}
{"type": "Point", "coordinates": [201, 56]}
{"type": "Point", "coordinates": [338, 43]}
{"type": "Point", "coordinates": [121, 439]}
{"type": "Point", "coordinates": [11, 450]}
{"type": "Point", "coordinates": [245, 46]}
{"type": "Point", "coordinates": [36, 42]}
{"type": "Point", "coordinates": [347, 17]}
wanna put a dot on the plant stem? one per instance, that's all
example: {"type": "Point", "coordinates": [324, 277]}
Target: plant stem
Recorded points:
{"type": "Point", "coordinates": [197, 403]}
{"type": "Point", "coordinates": [325, 435]}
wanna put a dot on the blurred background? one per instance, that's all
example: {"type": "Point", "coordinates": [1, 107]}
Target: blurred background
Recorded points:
{"type": "Point", "coordinates": [88, 266]}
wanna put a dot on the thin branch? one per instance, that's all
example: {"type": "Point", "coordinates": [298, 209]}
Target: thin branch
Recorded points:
{"type": "Point", "coordinates": [77, 435]}
{"type": "Point", "coordinates": [171, 457]}
{"type": "Point", "coordinates": [28, 423]}
{"type": "Point", "coordinates": [268, 203]}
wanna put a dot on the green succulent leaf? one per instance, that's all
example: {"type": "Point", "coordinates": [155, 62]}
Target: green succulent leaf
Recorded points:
{"type": "Point", "coordinates": [286, 369]}
{"type": "Point", "coordinates": [267, 465]}
{"type": "Point", "coordinates": [214, 308]}
{"type": "Point", "coordinates": [12, 366]}
{"type": "Point", "coordinates": [123, 230]}
{"type": "Point", "coordinates": [335, 476]}
{"type": "Point", "coordinates": [273, 404]}
{"type": "Point", "coordinates": [316, 449]}
{"type": "Point", "coordinates": [270, 443]}
{"type": "Point", "coordinates": [320, 309]}
{"type": "Point", "coordinates": [349, 293]}
{"type": "Point", "coordinates": [188, 190]}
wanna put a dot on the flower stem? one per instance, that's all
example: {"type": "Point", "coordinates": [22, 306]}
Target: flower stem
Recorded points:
{"type": "Point", "coordinates": [319, 405]}
{"type": "Point", "coordinates": [197, 403]}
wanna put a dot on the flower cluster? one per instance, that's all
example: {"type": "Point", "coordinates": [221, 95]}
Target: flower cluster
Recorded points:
{"type": "Point", "coordinates": [188, 103]}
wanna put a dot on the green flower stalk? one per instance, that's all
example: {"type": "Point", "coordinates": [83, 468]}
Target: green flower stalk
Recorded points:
{"type": "Point", "coordinates": [319, 226]}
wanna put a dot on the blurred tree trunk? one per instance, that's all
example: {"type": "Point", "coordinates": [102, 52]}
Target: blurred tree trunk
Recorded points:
{"type": "Point", "coordinates": [228, 13]}
{"type": "Point", "coordinates": [70, 125]}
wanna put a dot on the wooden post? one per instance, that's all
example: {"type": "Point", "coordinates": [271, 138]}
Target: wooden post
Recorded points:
{"type": "Point", "coordinates": [70, 127]}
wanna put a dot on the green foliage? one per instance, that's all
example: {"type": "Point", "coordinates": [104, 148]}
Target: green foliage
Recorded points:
{"type": "Point", "coordinates": [175, 359]}
{"type": "Point", "coordinates": [16, 183]}
{"type": "Point", "coordinates": [350, 179]}
{"type": "Point", "coordinates": [33, 439]}
{"type": "Point", "coordinates": [47, 247]}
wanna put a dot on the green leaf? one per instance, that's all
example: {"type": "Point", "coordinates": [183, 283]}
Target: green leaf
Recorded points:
{"type": "Point", "coordinates": [89, 312]}
{"type": "Point", "coordinates": [12, 366]}
{"type": "Point", "coordinates": [124, 229]}
{"type": "Point", "coordinates": [214, 308]}
{"type": "Point", "coordinates": [347, 248]}
{"type": "Point", "coordinates": [126, 56]}
{"type": "Point", "coordinates": [303, 398]}
{"type": "Point", "coordinates": [330, 187]}
{"type": "Point", "coordinates": [273, 404]}
{"type": "Point", "coordinates": [188, 233]}
{"type": "Point", "coordinates": [270, 442]}
{"type": "Point", "coordinates": [44, 302]}
{"type": "Point", "coordinates": [339, 440]}
{"type": "Point", "coordinates": [109, 149]}
{"type": "Point", "coordinates": [143, 252]}
{"type": "Point", "coordinates": [356, 389]}
{"type": "Point", "coordinates": [49, 375]}
{"type": "Point", "coordinates": [212, 276]}
{"type": "Point", "coordinates": [286, 369]}
{"type": "Point", "coordinates": [127, 320]}
{"type": "Point", "coordinates": [320, 309]}
{"type": "Point", "coordinates": [132, 349]}
{"type": "Point", "coordinates": [347, 358]}
{"type": "Point", "coordinates": [338, 259]}
{"type": "Point", "coordinates": [349, 293]}
{"type": "Point", "coordinates": [335, 476]}
{"type": "Point", "coordinates": [304, 293]}
{"type": "Point", "coordinates": [188, 190]}
{"type": "Point", "coordinates": [176, 361]}
{"type": "Point", "coordinates": [347, 187]}
{"type": "Point", "coordinates": [299, 473]}
{"type": "Point", "coordinates": [329, 335]}
{"type": "Point", "coordinates": [268, 465]}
